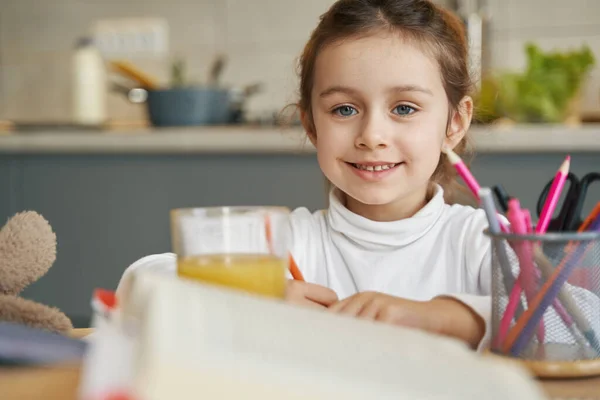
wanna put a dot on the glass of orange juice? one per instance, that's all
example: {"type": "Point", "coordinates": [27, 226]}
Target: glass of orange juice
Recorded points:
{"type": "Point", "coordinates": [244, 248]}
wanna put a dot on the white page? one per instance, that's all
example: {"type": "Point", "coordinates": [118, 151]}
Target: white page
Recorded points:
{"type": "Point", "coordinates": [202, 342]}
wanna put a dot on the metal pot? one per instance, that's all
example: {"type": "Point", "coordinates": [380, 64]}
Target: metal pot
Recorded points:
{"type": "Point", "coordinates": [191, 105]}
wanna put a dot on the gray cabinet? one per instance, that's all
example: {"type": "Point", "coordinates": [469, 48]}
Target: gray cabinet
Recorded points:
{"type": "Point", "coordinates": [109, 210]}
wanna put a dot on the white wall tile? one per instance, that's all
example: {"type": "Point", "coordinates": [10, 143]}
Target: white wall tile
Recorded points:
{"type": "Point", "coordinates": [33, 26]}
{"type": "Point", "coordinates": [191, 23]}
{"type": "Point", "coordinates": [499, 14]}
{"type": "Point", "coordinates": [530, 15]}
{"type": "Point", "coordinates": [274, 66]}
{"type": "Point", "coordinates": [273, 20]}
{"type": "Point", "coordinates": [37, 88]}
{"type": "Point", "coordinates": [501, 52]}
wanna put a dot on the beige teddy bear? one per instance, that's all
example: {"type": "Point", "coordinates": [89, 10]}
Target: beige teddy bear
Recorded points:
{"type": "Point", "coordinates": [27, 251]}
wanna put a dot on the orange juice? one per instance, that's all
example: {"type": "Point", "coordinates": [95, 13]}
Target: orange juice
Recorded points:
{"type": "Point", "coordinates": [257, 273]}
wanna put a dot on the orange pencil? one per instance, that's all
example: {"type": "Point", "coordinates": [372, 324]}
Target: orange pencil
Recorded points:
{"type": "Point", "coordinates": [294, 270]}
{"type": "Point", "coordinates": [590, 218]}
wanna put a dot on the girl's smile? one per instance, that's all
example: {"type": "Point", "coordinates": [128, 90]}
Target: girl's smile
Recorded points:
{"type": "Point", "coordinates": [374, 171]}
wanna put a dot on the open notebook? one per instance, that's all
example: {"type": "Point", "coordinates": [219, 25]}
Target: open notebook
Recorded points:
{"type": "Point", "coordinates": [198, 342]}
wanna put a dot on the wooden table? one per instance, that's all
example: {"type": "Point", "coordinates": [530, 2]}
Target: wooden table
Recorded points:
{"type": "Point", "coordinates": [572, 389]}
{"type": "Point", "coordinates": [57, 382]}
{"type": "Point", "coordinates": [40, 383]}
{"type": "Point", "coordinates": [61, 383]}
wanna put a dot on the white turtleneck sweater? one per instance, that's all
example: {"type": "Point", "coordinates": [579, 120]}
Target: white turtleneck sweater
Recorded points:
{"type": "Point", "coordinates": [441, 250]}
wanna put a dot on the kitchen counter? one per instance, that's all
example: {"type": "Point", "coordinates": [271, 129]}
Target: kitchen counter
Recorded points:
{"type": "Point", "coordinates": [247, 139]}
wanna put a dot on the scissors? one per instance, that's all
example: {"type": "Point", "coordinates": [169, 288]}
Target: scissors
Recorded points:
{"type": "Point", "coordinates": [569, 214]}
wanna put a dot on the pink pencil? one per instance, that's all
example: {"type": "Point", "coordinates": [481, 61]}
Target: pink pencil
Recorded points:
{"type": "Point", "coordinates": [553, 195]}
{"type": "Point", "coordinates": [468, 178]}
{"type": "Point", "coordinates": [463, 171]}
{"type": "Point", "coordinates": [545, 217]}
{"type": "Point", "coordinates": [524, 251]}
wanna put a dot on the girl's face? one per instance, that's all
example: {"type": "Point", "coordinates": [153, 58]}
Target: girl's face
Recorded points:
{"type": "Point", "coordinates": [380, 113]}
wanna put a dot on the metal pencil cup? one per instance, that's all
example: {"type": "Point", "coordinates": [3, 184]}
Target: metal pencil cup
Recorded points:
{"type": "Point", "coordinates": [546, 296]}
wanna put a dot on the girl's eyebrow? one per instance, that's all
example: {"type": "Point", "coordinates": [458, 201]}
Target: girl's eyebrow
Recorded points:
{"type": "Point", "coordinates": [349, 91]}
{"type": "Point", "coordinates": [411, 88]}
{"type": "Point", "coordinates": [337, 89]}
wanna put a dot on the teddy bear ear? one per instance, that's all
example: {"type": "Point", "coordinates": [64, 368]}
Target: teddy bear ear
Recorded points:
{"type": "Point", "coordinates": [27, 251]}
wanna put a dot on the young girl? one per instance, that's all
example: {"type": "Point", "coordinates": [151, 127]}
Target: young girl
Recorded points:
{"type": "Point", "coordinates": [384, 89]}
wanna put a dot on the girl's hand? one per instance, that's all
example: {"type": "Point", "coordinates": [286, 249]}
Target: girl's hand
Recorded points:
{"type": "Point", "coordinates": [309, 294]}
{"type": "Point", "coordinates": [441, 315]}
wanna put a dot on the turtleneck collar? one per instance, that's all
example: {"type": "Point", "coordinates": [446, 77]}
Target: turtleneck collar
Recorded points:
{"type": "Point", "coordinates": [375, 235]}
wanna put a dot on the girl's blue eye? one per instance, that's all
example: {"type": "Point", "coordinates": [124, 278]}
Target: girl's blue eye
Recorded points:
{"type": "Point", "coordinates": [403, 109]}
{"type": "Point", "coordinates": [345, 111]}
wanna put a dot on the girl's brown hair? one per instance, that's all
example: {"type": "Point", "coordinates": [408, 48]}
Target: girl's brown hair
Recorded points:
{"type": "Point", "coordinates": [436, 30]}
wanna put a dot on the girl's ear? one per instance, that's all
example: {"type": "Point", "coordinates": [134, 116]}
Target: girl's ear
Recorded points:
{"type": "Point", "coordinates": [309, 127]}
{"type": "Point", "coordinates": [459, 124]}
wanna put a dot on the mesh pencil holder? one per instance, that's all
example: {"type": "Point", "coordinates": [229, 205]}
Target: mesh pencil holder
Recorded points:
{"type": "Point", "coordinates": [546, 301]}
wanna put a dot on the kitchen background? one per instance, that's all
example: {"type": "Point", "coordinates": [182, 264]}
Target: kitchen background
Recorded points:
{"type": "Point", "coordinates": [107, 192]}
{"type": "Point", "coordinates": [261, 39]}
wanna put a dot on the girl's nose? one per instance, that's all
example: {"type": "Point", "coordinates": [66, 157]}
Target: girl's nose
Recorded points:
{"type": "Point", "coordinates": [373, 135]}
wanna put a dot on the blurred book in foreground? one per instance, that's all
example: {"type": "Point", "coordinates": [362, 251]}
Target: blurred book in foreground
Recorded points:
{"type": "Point", "coordinates": [193, 341]}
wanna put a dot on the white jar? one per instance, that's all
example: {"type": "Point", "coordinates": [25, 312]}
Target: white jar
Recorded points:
{"type": "Point", "coordinates": [90, 89]}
